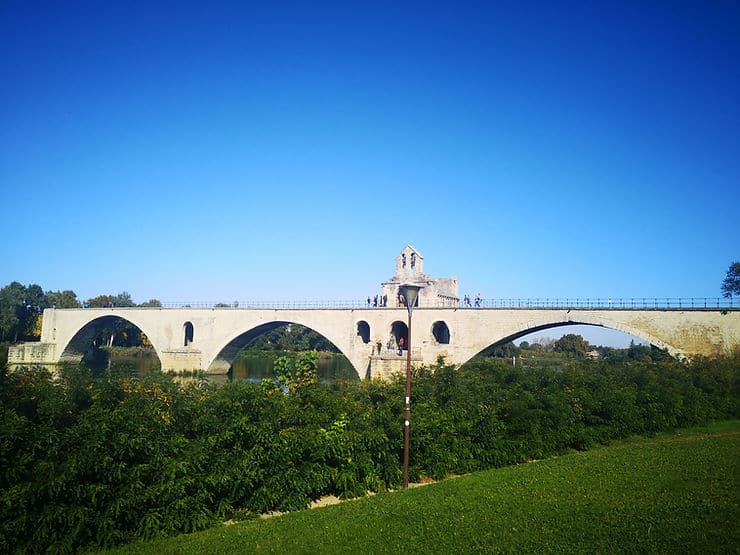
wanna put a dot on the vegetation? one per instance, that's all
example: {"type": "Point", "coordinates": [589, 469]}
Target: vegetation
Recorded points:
{"type": "Point", "coordinates": [672, 494]}
{"type": "Point", "coordinates": [558, 353]}
{"type": "Point", "coordinates": [731, 283]}
{"type": "Point", "coordinates": [101, 460]}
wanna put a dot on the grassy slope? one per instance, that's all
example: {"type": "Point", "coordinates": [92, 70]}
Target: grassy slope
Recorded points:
{"type": "Point", "coordinates": [674, 493]}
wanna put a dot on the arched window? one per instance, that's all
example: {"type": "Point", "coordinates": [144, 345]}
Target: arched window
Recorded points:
{"type": "Point", "coordinates": [363, 330]}
{"type": "Point", "coordinates": [441, 332]}
{"type": "Point", "coordinates": [399, 330]}
{"type": "Point", "coordinates": [189, 333]}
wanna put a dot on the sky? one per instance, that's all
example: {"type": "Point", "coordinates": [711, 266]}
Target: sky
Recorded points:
{"type": "Point", "coordinates": [219, 151]}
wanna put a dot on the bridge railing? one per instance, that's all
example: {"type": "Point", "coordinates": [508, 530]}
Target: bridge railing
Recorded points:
{"type": "Point", "coordinates": [629, 303]}
{"type": "Point", "coordinates": [267, 304]}
{"type": "Point", "coordinates": [600, 303]}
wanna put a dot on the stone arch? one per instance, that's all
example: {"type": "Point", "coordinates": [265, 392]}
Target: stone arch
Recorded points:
{"type": "Point", "coordinates": [640, 334]}
{"type": "Point", "coordinates": [363, 331]}
{"type": "Point", "coordinates": [225, 355]}
{"type": "Point", "coordinates": [441, 332]}
{"type": "Point", "coordinates": [81, 341]}
{"type": "Point", "coordinates": [652, 340]}
{"type": "Point", "coordinates": [188, 332]}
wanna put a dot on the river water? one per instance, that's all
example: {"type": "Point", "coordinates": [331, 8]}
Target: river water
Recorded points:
{"type": "Point", "coordinates": [247, 366]}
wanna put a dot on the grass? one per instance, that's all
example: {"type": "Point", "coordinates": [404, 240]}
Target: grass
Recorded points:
{"type": "Point", "coordinates": [675, 493]}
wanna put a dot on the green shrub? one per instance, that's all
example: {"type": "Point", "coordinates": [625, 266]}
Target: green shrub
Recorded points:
{"type": "Point", "coordinates": [97, 460]}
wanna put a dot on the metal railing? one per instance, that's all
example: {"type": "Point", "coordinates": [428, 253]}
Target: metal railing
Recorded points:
{"type": "Point", "coordinates": [622, 303]}
{"type": "Point", "coordinates": [600, 303]}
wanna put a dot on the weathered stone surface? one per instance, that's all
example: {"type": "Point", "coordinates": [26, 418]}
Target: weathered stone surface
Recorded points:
{"type": "Point", "coordinates": [31, 353]}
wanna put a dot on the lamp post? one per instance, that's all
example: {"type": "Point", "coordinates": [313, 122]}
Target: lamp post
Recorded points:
{"type": "Point", "coordinates": [410, 294]}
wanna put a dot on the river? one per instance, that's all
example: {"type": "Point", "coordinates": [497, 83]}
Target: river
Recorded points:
{"type": "Point", "coordinates": [248, 366]}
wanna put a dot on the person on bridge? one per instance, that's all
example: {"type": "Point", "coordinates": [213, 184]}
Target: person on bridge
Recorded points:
{"type": "Point", "coordinates": [401, 343]}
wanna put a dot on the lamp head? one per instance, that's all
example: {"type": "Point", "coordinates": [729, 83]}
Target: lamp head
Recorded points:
{"type": "Point", "coordinates": [410, 292]}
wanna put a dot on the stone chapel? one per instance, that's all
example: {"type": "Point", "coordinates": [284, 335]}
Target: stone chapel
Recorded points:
{"type": "Point", "coordinates": [435, 292]}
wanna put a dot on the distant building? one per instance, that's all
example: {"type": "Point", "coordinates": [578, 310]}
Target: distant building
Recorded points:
{"type": "Point", "coordinates": [435, 292]}
{"type": "Point", "coordinates": [593, 355]}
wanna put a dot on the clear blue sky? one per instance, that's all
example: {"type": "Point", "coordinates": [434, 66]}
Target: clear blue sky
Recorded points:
{"type": "Point", "coordinates": [289, 150]}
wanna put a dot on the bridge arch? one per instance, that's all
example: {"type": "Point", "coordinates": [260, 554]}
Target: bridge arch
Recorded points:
{"type": "Point", "coordinates": [224, 357]}
{"type": "Point", "coordinates": [602, 323]}
{"type": "Point", "coordinates": [82, 341]}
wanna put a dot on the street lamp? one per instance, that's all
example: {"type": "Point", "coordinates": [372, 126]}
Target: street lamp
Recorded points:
{"type": "Point", "coordinates": [410, 294]}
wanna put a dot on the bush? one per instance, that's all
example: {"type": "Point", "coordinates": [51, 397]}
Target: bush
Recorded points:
{"type": "Point", "coordinates": [94, 461]}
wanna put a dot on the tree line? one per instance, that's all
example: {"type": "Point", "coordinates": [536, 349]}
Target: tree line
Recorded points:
{"type": "Point", "coordinates": [574, 345]}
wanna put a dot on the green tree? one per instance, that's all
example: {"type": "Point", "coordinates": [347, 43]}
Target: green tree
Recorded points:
{"type": "Point", "coordinates": [62, 299]}
{"type": "Point", "coordinates": [292, 337]}
{"type": "Point", "coordinates": [572, 344]}
{"type": "Point", "coordinates": [504, 350]}
{"type": "Point", "coordinates": [152, 303]}
{"type": "Point", "coordinates": [20, 307]}
{"type": "Point", "coordinates": [11, 297]}
{"type": "Point", "coordinates": [294, 375]}
{"type": "Point", "coordinates": [731, 283]}
{"type": "Point", "coordinates": [101, 301]}
{"type": "Point", "coordinates": [123, 299]}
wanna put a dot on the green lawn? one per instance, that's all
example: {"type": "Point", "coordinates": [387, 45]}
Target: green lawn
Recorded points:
{"type": "Point", "coordinates": [676, 493]}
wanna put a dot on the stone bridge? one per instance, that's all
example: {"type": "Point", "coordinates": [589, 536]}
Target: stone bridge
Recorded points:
{"type": "Point", "coordinates": [209, 339]}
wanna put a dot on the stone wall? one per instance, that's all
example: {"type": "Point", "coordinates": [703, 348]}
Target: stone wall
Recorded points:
{"type": "Point", "coordinates": [32, 353]}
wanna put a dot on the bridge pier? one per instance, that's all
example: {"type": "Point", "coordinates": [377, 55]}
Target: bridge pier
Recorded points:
{"type": "Point", "coordinates": [184, 360]}
{"type": "Point", "coordinates": [33, 353]}
{"type": "Point", "coordinates": [385, 365]}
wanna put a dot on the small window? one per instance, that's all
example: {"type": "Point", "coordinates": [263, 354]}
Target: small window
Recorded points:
{"type": "Point", "coordinates": [363, 330]}
{"type": "Point", "coordinates": [441, 332]}
{"type": "Point", "coordinates": [189, 333]}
